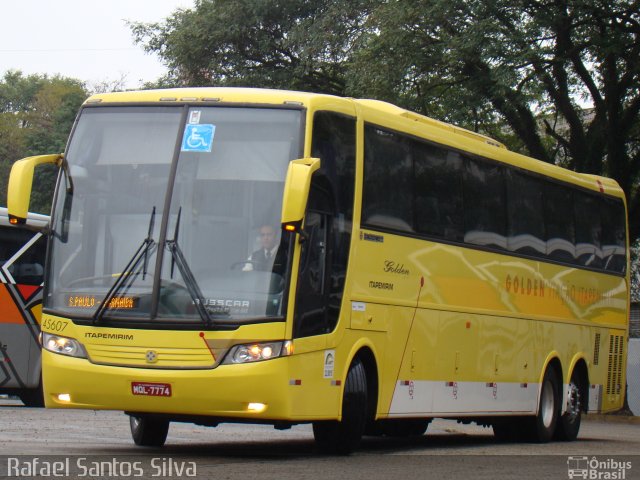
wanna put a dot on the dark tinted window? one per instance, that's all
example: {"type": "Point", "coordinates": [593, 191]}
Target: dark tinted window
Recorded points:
{"type": "Point", "coordinates": [525, 217]}
{"type": "Point", "coordinates": [325, 254]}
{"type": "Point", "coordinates": [588, 230]}
{"type": "Point", "coordinates": [334, 143]}
{"type": "Point", "coordinates": [438, 191]}
{"type": "Point", "coordinates": [414, 186]}
{"type": "Point", "coordinates": [614, 257]}
{"type": "Point", "coordinates": [485, 220]}
{"type": "Point", "coordinates": [560, 225]}
{"type": "Point", "coordinates": [388, 188]}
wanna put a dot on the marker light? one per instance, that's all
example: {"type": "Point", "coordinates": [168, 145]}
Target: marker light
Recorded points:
{"type": "Point", "coordinates": [256, 352]}
{"type": "Point", "coordinates": [256, 407]}
{"type": "Point", "coordinates": [63, 345]}
{"type": "Point", "coordinates": [64, 397]}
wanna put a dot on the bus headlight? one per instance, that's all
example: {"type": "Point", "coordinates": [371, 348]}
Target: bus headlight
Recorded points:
{"type": "Point", "coordinates": [257, 352]}
{"type": "Point", "coordinates": [63, 345]}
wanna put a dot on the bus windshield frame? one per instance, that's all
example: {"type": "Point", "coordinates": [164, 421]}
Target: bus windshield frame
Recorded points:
{"type": "Point", "coordinates": [166, 213]}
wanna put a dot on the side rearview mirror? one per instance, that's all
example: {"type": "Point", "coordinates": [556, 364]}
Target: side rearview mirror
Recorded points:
{"type": "Point", "coordinates": [20, 183]}
{"type": "Point", "coordinates": [296, 192]}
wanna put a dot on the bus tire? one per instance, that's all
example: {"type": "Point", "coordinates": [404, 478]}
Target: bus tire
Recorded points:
{"type": "Point", "coordinates": [569, 424]}
{"type": "Point", "coordinates": [541, 428]}
{"type": "Point", "coordinates": [148, 431]}
{"type": "Point", "coordinates": [343, 437]}
{"type": "Point", "coordinates": [32, 397]}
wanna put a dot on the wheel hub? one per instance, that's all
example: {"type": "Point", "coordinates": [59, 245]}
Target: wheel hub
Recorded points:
{"type": "Point", "coordinates": [573, 401]}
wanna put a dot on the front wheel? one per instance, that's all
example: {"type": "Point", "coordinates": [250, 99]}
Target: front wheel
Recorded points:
{"type": "Point", "coordinates": [148, 431]}
{"type": "Point", "coordinates": [344, 436]}
{"type": "Point", "coordinates": [32, 397]}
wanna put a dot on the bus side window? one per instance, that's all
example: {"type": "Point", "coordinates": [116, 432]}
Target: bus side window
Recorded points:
{"type": "Point", "coordinates": [614, 256]}
{"type": "Point", "coordinates": [588, 230]}
{"type": "Point", "coordinates": [312, 302]}
{"type": "Point", "coordinates": [314, 252]}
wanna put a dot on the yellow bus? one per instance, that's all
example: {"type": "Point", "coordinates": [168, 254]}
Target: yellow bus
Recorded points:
{"type": "Point", "coordinates": [22, 255]}
{"type": "Point", "coordinates": [245, 255]}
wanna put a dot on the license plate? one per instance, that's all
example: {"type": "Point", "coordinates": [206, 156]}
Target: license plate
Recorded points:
{"type": "Point", "coordinates": [151, 389]}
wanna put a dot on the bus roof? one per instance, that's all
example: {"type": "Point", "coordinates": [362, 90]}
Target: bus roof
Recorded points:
{"type": "Point", "coordinates": [209, 94]}
{"type": "Point", "coordinates": [374, 111]}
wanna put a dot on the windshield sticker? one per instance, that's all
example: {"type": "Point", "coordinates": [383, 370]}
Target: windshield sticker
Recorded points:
{"type": "Point", "coordinates": [198, 138]}
{"type": "Point", "coordinates": [194, 116]}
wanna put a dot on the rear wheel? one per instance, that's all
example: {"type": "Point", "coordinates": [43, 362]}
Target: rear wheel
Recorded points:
{"type": "Point", "coordinates": [148, 431]}
{"type": "Point", "coordinates": [344, 436]}
{"type": "Point", "coordinates": [569, 423]}
{"type": "Point", "coordinates": [542, 427]}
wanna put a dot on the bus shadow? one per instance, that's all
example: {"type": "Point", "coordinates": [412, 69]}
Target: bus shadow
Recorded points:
{"type": "Point", "coordinates": [301, 448]}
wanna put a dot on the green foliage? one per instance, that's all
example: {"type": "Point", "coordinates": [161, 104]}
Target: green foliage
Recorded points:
{"type": "Point", "coordinates": [519, 61]}
{"type": "Point", "coordinates": [503, 67]}
{"type": "Point", "coordinates": [635, 272]}
{"type": "Point", "coordinates": [36, 116]}
{"type": "Point", "coordinates": [286, 44]}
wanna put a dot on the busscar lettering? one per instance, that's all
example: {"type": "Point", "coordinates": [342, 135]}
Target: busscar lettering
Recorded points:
{"type": "Point", "coordinates": [217, 305]}
{"type": "Point", "coordinates": [381, 285]}
{"type": "Point", "coordinates": [213, 302]}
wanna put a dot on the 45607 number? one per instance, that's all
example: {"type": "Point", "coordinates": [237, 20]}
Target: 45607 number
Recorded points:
{"type": "Point", "coordinates": [54, 325]}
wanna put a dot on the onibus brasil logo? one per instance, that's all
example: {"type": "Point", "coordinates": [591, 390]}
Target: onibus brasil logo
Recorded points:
{"type": "Point", "coordinates": [597, 469]}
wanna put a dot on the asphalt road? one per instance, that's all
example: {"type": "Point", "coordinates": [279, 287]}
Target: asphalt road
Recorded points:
{"type": "Point", "coordinates": [86, 439]}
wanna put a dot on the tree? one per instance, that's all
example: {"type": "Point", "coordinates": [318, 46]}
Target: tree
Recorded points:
{"type": "Point", "coordinates": [36, 116]}
{"type": "Point", "coordinates": [523, 60]}
{"type": "Point", "coordinates": [258, 42]}
{"type": "Point", "coordinates": [482, 65]}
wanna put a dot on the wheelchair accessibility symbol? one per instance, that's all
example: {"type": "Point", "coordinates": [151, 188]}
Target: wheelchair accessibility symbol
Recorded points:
{"type": "Point", "coordinates": [198, 138]}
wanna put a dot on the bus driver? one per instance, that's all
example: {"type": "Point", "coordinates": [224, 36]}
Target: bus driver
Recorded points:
{"type": "Point", "coordinates": [265, 257]}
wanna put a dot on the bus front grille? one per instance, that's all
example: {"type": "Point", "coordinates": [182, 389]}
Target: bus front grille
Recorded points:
{"type": "Point", "coordinates": [151, 357]}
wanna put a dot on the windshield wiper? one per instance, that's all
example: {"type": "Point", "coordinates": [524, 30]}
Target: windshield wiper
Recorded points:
{"type": "Point", "coordinates": [177, 258]}
{"type": "Point", "coordinates": [141, 254]}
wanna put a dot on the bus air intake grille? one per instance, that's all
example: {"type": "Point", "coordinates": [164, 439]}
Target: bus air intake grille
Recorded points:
{"type": "Point", "coordinates": [614, 369]}
{"type": "Point", "coordinates": [596, 350]}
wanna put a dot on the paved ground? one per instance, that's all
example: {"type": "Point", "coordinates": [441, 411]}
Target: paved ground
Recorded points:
{"type": "Point", "coordinates": [449, 450]}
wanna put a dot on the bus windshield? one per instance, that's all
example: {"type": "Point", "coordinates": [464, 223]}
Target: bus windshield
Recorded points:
{"type": "Point", "coordinates": [173, 214]}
